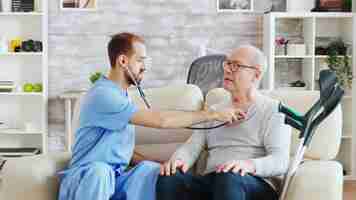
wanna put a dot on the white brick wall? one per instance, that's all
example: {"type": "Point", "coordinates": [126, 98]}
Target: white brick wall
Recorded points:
{"type": "Point", "coordinates": [173, 30]}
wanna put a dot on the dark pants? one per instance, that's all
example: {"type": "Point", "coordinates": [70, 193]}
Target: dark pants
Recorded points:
{"type": "Point", "coordinates": [222, 186]}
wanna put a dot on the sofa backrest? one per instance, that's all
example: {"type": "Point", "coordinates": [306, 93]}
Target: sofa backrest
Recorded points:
{"type": "Point", "coordinates": [179, 97]}
{"type": "Point", "coordinates": [326, 141]}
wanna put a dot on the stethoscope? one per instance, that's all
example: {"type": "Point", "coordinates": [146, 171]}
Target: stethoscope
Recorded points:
{"type": "Point", "coordinates": [143, 97]}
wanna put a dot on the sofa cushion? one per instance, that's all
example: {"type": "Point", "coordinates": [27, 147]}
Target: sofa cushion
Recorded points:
{"type": "Point", "coordinates": [158, 152]}
{"type": "Point", "coordinates": [317, 180]}
{"type": "Point", "coordinates": [327, 139]}
{"type": "Point", "coordinates": [33, 178]}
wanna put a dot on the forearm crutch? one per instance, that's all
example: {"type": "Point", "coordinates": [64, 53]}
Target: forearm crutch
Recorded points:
{"type": "Point", "coordinates": [330, 96]}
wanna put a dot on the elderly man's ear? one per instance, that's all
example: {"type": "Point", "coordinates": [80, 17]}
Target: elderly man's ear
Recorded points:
{"type": "Point", "coordinates": [258, 73]}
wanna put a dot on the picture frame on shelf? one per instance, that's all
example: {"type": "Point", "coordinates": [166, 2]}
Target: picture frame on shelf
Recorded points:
{"type": "Point", "coordinates": [78, 5]}
{"type": "Point", "coordinates": [329, 6]}
{"type": "Point", "coordinates": [235, 5]}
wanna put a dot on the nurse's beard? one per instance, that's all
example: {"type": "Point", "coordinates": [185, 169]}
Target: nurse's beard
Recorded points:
{"type": "Point", "coordinates": [129, 78]}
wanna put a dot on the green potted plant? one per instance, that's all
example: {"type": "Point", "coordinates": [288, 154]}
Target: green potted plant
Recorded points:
{"type": "Point", "coordinates": [95, 76]}
{"type": "Point", "coordinates": [339, 61]}
{"type": "Point", "coordinates": [347, 5]}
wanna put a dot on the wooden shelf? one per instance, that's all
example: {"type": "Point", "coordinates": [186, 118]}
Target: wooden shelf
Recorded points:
{"type": "Point", "coordinates": [325, 56]}
{"type": "Point", "coordinates": [19, 132]}
{"type": "Point", "coordinates": [347, 97]}
{"type": "Point", "coordinates": [21, 93]}
{"type": "Point", "coordinates": [312, 14]}
{"type": "Point", "coordinates": [21, 13]}
{"type": "Point", "coordinates": [22, 54]}
{"type": "Point", "coordinates": [286, 56]}
{"type": "Point", "coordinates": [349, 178]}
{"type": "Point", "coordinates": [346, 137]}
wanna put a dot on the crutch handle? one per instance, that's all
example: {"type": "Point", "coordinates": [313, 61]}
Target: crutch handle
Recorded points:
{"type": "Point", "coordinates": [291, 113]}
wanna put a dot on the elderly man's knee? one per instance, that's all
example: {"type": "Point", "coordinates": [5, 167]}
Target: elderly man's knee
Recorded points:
{"type": "Point", "coordinates": [171, 183]}
{"type": "Point", "coordinates": [229, 179]}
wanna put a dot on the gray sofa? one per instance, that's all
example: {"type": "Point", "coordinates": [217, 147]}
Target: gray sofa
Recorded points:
{"type": "Point", "coordinates": [319, 178]}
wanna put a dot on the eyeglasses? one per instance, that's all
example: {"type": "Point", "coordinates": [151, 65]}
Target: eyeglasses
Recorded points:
{"type": "Point", "coordinates": [234, 66]}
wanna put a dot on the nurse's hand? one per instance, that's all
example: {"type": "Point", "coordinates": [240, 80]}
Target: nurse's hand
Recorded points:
{"type": "Point", "coordinates": [230, 115]}
{"type": "Point", "coordinates": [170, 167]}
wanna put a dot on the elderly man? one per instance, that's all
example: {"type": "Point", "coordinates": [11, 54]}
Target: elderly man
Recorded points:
{"type": "Point", "coordinates": [242, 157]}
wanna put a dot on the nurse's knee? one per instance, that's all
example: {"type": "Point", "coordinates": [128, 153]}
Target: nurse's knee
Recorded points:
{"type": "Point", "coordinates": [149, 165]}
{"type": "Point", "coordinates": [99, 170]}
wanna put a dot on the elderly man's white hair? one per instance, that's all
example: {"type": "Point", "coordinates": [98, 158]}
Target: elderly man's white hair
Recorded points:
{"type": "Point", "coordinates": [258, 58]}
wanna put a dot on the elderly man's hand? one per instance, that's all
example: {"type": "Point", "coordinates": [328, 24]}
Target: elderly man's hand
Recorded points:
{"type": "Point", "coordinates": [237, 166]}
{"type": "Point", "coordinates": [171, 166]}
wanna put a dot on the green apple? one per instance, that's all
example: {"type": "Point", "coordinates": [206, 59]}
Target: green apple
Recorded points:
{"type": "Point", "coordinates": [28, 87]}
{"type": "Point", "coordinates": [37, 87]}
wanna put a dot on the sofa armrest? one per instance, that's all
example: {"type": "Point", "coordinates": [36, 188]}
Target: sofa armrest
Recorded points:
{"type": "Point", "coordinates": [32, 178]}
{"type": "Point", "coordinates": [317, 180]}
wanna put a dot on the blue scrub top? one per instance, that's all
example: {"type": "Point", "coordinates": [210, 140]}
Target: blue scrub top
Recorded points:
{"type": "Point", "coordinates": [104, 133]}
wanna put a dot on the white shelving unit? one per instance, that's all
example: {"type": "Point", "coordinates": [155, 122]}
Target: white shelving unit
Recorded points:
{"type": "Point", "coordinates": [19, 108]}
{"type": "Point", "coordinates": [353, 102]}
{"type": "Point", "coordinates": [314, 25]}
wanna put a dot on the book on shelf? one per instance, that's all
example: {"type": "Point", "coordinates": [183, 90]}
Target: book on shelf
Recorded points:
{"type": "Point", "coordinates": [3, 125]}
{"type": "Point", "coordinates": [14, 152]}
{"type": "Point", "coordinates": [7, 86]}
{"type": "Point", "coordinates": [6, 82]}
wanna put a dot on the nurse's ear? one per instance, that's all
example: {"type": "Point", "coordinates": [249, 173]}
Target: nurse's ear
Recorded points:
{"type": "Point", "coordinates": [122, 61]}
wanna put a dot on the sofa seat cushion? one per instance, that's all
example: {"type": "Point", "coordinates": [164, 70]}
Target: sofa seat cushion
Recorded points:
{"type": "Point", "coordinates": [158, 152]}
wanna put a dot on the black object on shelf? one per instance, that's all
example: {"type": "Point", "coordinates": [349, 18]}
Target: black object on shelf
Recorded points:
{"type": "Point", "coordinates": [298, 83]}
{"type": "Point", "coordinates": [2, 163]}
{"type": "Point", "coordinates": [23, 6]}
{"type": "Point", "coordinates": [14, 152]}
{"type": "Point", "coordinates": [17, 49]}
{"type": "Point", "coordinates": [31, 46]}
{"type": "Point", "coordinates": [321, 50]}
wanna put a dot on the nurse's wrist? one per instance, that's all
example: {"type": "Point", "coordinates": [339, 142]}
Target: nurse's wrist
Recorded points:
{"type": "Point", "coordinates": [210, 115]}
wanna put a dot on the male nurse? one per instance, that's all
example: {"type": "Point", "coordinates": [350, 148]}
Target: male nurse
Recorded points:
{"type": "Point", "coordinates": [105, 139]}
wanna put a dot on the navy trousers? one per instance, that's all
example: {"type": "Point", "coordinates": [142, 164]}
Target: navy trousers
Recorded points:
{"type": "Point", "coordinates": [214, 186]}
